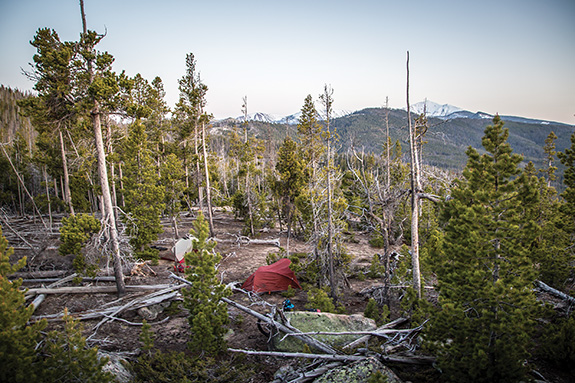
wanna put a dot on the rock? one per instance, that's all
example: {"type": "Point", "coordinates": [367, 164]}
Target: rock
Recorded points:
{"type": "Point", "coordinates": [151, 312]}
{"type": "Point", "coordinates": [324, 322]}
{"type": "Point", "coordinates": [358, 372]}
{"type": "Point", "coordinates": [116, 365]}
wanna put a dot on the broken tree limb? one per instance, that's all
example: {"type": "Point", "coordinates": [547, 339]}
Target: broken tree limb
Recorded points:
{"type": "Point", "coordinates": [286, 328]}
{"type": "Point", "coordinates": [40, 298]}
{"type": "Point", "coordinates": [243, 240]}
{"type": "Point", "coordinates": [340, 358]}
{"type": "Point", "coordinates": [559, 294]}
{"type": "Point", "coordinates": [90, 289]}
{"type": "Point", "coordinates": [308, 376]}
{"type": "Point", "coordinates": [95, 314]}
{"type": "Point", "coordinates": [84, 279]}
{"type": "Point", "coordinates": [381, 333]}
{"type": "Point", "coordinates": [131, 304]}
{"type": "Point", "coordinates": [391, 324]}
{"type": "Point", "coordinates": [408, 359]}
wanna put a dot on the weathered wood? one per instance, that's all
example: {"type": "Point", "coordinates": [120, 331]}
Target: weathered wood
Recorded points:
{"type": "Point", "coordinates": [84, 279]}
{"type": "Point", "coordinates": [408, 359]}
{"type": "Point", "coordinates": [380, 333]}
{"type": "Point", "coordinates": [308, 376]}
{"type": "Point", "coordinates": [90, 289]}
{"type": "Point", "coordinates": [559, 294]}
{"type": "Point", "coordinates": [341, 358]}
{"type": "Point", "coordinates": [38, 274]}
{"type": "Point", "coordinates": [242, 240]}
{"type": "Point", "coordinates": [391, 324]}
{"type": "Point", "coordinates": [40, 298]}
{"type": "Point", "coordinates": [148, 300]}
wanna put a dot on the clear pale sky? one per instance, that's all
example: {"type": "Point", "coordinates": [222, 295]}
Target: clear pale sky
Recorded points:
{"type": "Point", "coordinates": [512, 57]}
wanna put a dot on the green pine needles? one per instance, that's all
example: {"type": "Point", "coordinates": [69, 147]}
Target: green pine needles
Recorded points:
{"type": "Point", "coordinates": [482, 333]}
{"type": "Point", "coordinates": [27, 354]}
{"type": "Point", "coordinates": [208, 314]}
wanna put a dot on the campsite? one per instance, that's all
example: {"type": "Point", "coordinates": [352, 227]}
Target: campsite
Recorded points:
{"type": "Point", "coordinates": [169, 320]}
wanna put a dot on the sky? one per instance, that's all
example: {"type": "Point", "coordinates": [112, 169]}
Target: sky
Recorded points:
{"type": "Point", "coordinates": [512, 57]}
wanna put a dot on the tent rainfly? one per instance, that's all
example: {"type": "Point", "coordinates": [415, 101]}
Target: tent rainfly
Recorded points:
{"type": "Point", "coordinates": [275, 277]}
{"type": "Point", "coordinates": [183, 246]}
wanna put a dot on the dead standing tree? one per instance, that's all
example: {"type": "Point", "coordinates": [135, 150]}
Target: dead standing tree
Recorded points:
{"type": "Point", "coordinates": [415, 197]}
{"type": "Point", "coordinates": [100, 84]}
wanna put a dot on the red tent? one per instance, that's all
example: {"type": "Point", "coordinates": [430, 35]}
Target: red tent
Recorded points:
{"type": "Point", "coordinates": [275, 277]}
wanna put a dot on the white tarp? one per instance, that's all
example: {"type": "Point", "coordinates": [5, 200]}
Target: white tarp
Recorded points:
{"type": "Point", "coordinates": [183, 246]}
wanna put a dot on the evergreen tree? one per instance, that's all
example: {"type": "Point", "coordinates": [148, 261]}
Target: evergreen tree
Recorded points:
{"type": "Point", "coordinates": [208, 315]}
{"type": "Point", "coordinates": [142, 193]}
{"type": "Point", "coordinates": [173, 182]}
{"type": "Point", "coordinates": [485, 275]}
{"type": "Point", "coordinates": [26, 355]}
{"type": "Point", "coordinates": [17, 339]}
{"type": "Point", "coordinates": [292, 179]}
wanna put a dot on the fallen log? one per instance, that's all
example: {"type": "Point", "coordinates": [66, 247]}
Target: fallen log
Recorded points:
{"type": "Point", "coordinates": [96, 314]}
{"type": "Point", "coordinates": [339, 358]}
{"type": "Point", "coordinates": [38, 274]}
{"type": "Point", "coordinates": [242, 240]}
{"type": "Point", "coordinates": [40, 298]}
{"type": "Point", "coordinates": [90, 289]}
{"type": "Point", "coordinates": [408, 359]}
{"type": "Point", "coordinates": [133, 303]}
{"type": "Point", "coordinates": [84, 279]}
{"type": "Point", "coordinates": [559, 294]}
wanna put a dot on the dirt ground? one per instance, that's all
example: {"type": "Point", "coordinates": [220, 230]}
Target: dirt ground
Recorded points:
{"type": "Point", "coordinates": [171, 326]}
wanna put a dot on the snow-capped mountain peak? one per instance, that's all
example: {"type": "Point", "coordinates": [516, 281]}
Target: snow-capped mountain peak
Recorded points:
{"type": "Point", "coordinates": [433, 109]}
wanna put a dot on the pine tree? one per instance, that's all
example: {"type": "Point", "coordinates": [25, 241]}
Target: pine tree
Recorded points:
{"type": "Point", "coordinates": [208, 315]}
{"type": "Point", "coordinates": [26, 354]}
{"type": "Point", "coordinates": [17, 339]}
{"type": "Point", "coordinates": [142, 193]}
{"type": "Point", "coordinates": [292, 179]}
{"type": "Point", "coordinates": [485, 275]}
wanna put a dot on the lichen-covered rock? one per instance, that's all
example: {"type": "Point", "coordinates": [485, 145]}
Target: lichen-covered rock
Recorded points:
{"type": "Point", "coordinates": [323, 322]}
{"type": "Point", "coordinates": [117, 366]}
{"type": "Point", "coordinates": [358, 372]}
{"type": "Point", "coordinates": [151, 312]}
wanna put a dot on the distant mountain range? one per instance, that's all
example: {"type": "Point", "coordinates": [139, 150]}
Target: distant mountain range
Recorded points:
{"type": "Point", "coordinates": [451, 131]}
{"type": "Point", "coordinates": [430, 108]}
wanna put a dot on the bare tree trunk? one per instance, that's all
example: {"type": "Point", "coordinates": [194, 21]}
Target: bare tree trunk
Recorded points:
{"type": "Point", "coordinates": [328, 101]}
{"type": "Point", "coordinates": [47, 194]}
{"type": "Point", "coordinates": [415, 189]}
{"type": "Point", "coordinates": [208, 193]}
{"type": "Point", "coordinates": [67, 193]}
{"type": "Point", "coordinates": [109, 219]}
{"type": "Point", "coordinates": [198, 172]}
{"type": "Point", "coordinates": [387, 144]}
{"type": "Point", "coordinates": [108, 215]}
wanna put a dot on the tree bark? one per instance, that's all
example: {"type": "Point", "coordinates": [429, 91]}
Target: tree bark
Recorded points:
{"type": "Point", "coordinates": [208, 192]}
{"type": "Point", "coordinates": [415, 188]}
{"type": "Point", "coordinates": [109, 219]}
{"type": "Point", "coordinates": [67, 193]}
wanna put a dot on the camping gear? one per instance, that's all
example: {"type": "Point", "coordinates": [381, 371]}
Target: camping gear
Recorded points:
{"type": "Point", "coordinates": [287, 305]}
{"type": "Point", "coordinates": [275, 277]}
{"type": "Point", "coordinates": [183, 246]}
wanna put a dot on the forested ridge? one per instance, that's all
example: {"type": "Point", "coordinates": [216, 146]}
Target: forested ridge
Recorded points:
{"type": "Point", "coordinates": [466, 208]}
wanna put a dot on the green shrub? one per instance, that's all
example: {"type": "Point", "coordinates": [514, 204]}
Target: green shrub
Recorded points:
{"type": "Point", "coordinates": [372, 310]}
{"type": "Point", "coordinates": [376, 269]}
{"type": "Point", "coordinates": [318, 299]}
{"type": "Point", "coordinates": [76, 230]}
